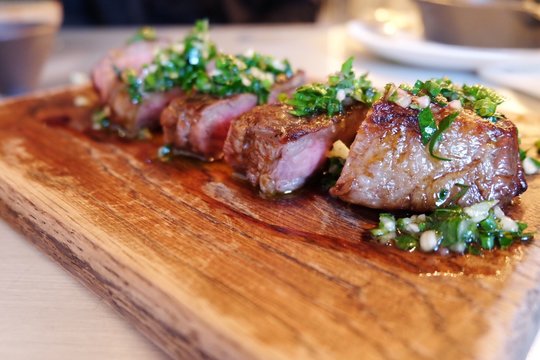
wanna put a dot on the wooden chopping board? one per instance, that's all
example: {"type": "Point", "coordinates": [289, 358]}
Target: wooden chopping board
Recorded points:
{"type": "Point", "coordinates": [206, 268]}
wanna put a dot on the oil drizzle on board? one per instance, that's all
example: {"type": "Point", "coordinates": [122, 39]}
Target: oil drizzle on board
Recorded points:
{"type": "Point", "coordinates": [338, 227]}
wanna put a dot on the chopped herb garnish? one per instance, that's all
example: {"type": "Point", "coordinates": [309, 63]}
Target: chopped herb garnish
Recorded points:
{"type": "Point", "coordinates": [332, 173]}
{"type": "Point", "coordinates": [482, 226]}
{"type": "Point", "coordinates": [460, 194]}
{"type": "Point", "coordinates": [443, 126]}
{"type": "Point", "coordinates": [522, 154]}
{"type": "Point", "coordinates": [336, 160]}
{"type": "Point", "coordinates": [101, 119]}
{"type": "Point", "coordinates": [254, 74]}
{"type": "Point", "coordinates": [332, 97]}
{"type": "Point", "coordinates": [134, 85]}
{"type": "Point", "coordinates": [427, 124]}
{"type": "Point", "coordinates": [482, 100]}
{"type": "Point", "coordinates": [145, 33]}
{"type": "Point", "coordinates": [195, 64]}
{"type": "Point", "coordinates": [180, 64]}
{"type": "Point", "coordinates": [531, 166]}
{"type": "Point", "coordinates": [442, 196]}
{"type": "Point", "coordinates": [443, 93]}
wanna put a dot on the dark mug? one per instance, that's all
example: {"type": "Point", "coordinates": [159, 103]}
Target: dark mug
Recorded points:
{"type": "Point", "coordinates": [24, 47]}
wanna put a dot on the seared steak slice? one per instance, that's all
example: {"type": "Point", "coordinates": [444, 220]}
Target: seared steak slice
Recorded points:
{"type": "Point", "coordinates": [134, 56]}
{"type": "Point", "coordinates": [278, 152]}
{"type": "Point", "coordinates": [134, 117]}
{"type": "Point", "coordinates": [198, 124]}
{"type": "Point", "coordinates": [114, 93]}
{"type": "Point", "coordinates": [389, 168]}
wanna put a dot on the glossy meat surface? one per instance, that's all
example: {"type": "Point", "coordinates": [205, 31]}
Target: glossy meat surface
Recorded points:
{"type": "Point", "coordinates": [113, 92]}
{"type": "Point", "coordinates": [279, 152]}
{"type": "Point", "coordinates": [389, 168]}
{"type": "Point", "coordinates": [198, 123]}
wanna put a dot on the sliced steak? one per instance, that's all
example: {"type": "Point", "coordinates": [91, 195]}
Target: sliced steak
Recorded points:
{"type": "Point", "coordinates": [389, 168]}
{"type": "Point", "coordinates": [134, 117]}
{"type": "Point", "coordinates": [198, 124]}
{"type": "Point", "coordinates": [278, 152]}
{"type": "Point", "coordinates": [132, 56]}
{"type": "Point", "coordinates": [113, 92]}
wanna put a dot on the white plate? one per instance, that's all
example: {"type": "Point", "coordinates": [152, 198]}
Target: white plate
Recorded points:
{"type": "Point", "coordinates": [410, 48]}
{"type": "Point", "coordinates": [522, 75]}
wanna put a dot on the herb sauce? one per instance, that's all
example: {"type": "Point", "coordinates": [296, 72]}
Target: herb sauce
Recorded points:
{"type": "Point", "coordinates": [195, 64]}
{"type": "Point", "coordinates": [331, 98]}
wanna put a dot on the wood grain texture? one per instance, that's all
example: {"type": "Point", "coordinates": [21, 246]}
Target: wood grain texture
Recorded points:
{"type": "Point", "coordinates": [207, 269]}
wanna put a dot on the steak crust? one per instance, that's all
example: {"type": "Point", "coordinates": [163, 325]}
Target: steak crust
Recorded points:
{"type": "Point", "coordinates": [389, 168]}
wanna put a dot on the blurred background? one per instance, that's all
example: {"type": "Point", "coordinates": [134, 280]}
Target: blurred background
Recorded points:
{"type": "Point", "coordinates": [403, 31]}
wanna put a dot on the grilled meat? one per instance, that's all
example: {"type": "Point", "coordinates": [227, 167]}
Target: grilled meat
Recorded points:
{"type": "Point", "coordinates": [105, 74]}
{"type": "Point", "coordinates": [198, 123]}
{"type": "Point", "coordinates": [113, 92]}
{"type": "Point", "coordinates": [389, 168]}
{"type": "Point", "coordinates": [278, 152]}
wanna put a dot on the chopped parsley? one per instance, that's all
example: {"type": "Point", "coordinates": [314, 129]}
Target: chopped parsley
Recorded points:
{"type": "Point", "coordinates": [482, 226]}
{"type": "Point", "coordinates": [336, 159]}
{"type": "Point", "coordinates": [445, 123]}
{"type": "Point", "coordinates": [482, 100]}
{"type": "Point", "coordinates": [196, 64]}
{"type": "Point", "coordinates": [253, 73]}
{"type": "Point", "coordinates": [446, 94]}
{"type": "Point", "coordinates": [101, 118]}
{"type": "Point", "coordinates": [531, 166]}
{"type": "Point", "coordinates": [332, 97]}
{"type": "Point", "coordinates": [428, 126]}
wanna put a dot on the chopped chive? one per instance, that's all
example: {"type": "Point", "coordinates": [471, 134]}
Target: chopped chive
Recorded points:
{"type": "Point", "coordinates": [406, 242]}
{"type": "Point", "coordinates": [443, 126]}
{"type": "Point", "coordinates": [427, 124]}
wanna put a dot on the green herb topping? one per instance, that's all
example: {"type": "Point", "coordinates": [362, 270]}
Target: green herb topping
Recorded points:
{"type": "Point", "coordinates": [444, 93]}
{"type": "Point", "coordinates": [101, 119]}
{"type": "Point", "coordinates": [251, 73]}
{"type": "Point", "coordinates": [331, 98]}
{"type": "Point", "coordinates": [482, 226]}
{"type": "Point", "coordinates": [195, 64]}
{"type": "Point", "coordinates": [531, 165]}
{"type": "Point", "coordinates": [145, 33]}
{"type": "Point", "coordinates": [334, 166]}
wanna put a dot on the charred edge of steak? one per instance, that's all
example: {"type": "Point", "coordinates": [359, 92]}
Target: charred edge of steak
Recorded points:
{"type": "Point", "coordinates": [389, 168]}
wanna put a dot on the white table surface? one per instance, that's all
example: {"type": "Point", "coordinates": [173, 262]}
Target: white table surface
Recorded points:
{"type": "Point", "coordinates": [44, 312]}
